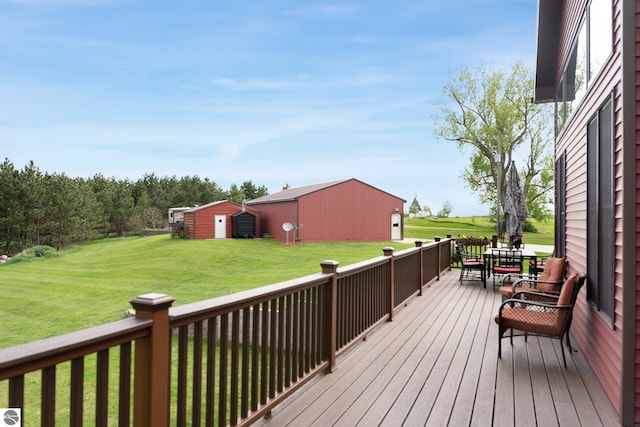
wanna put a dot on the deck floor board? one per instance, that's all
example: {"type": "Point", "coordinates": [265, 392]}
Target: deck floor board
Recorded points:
{"type": "Point", "coordinates": [436, 364]}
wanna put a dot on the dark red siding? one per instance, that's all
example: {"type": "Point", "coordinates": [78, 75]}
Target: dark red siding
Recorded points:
{"type": "Point", "coordinates": [273, 215]}
{"type": "Point", "coordinates": [597, 338]}
{"type": "Point", "coordinates": [348, 210]}
{"type": "Point", "coordinates": [200, 222]}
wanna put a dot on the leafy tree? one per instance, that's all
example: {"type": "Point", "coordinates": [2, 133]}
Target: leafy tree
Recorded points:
{"type": "Point", "coordinates": [252, 192]}
{"type": "Point", "coordinates": [235, 194]}
{"type": "Point", "coordinates": [10, 211]}
{"type": "Point", "coordinates": [491, 114]}
{"type": "Point", "coordinates": [415, 206]}
{"type": "Point", "coordinates": [446, 209]}
{"type": "Point", "coordinates": [39, 208]}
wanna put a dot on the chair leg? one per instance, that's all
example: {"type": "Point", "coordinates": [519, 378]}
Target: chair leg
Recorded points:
{"type": "Point", "coordinates": [564, 359]}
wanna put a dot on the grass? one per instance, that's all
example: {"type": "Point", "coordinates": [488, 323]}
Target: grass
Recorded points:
{"type": "Point", "coordinates": [428, 228]}
{"type": "Point", "coordinates": [92, 283]}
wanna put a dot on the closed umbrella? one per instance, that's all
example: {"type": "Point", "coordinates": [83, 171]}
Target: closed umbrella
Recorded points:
{"type": "Point", "coordinates": [515, 207]}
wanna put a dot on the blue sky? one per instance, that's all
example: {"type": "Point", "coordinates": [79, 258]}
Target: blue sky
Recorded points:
{"type": "Point", "coordinates": [276, 92]}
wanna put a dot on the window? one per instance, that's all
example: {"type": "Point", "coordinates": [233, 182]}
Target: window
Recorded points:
{"type": "Point", "coordinates": [600, 211]}
{"type": "Point", "coordinates": [560, 108]}
{"type": "Point", "coordinates": [592, 47]}
{"type": "Point", "coordinates": [576, 73]}
{"type": "Point", "coordinates": [600, 34]}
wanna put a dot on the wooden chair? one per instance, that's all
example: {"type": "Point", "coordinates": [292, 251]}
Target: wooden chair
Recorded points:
{"type": "Point", "coordinates": [527, 314]}
{"type": "Point", "coordinates": [505, 262]}
{"type": "Point", "coordinates": [472, 265]}
{"type": "Point", "coordinates": [550, 280]}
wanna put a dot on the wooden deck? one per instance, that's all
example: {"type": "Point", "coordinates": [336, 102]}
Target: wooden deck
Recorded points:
{"type": "Point", "coordinates": [436, 364]}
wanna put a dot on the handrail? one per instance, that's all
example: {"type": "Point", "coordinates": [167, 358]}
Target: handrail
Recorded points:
{"type": "Point", "coordinates": [201, 310]}
{"type": "Point", "coordinates": [43, 353]}
{"type": "Point", "coordinates": [236, 356]}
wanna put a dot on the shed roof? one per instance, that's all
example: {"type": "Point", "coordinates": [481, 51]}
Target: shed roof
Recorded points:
{"type": "Point", "coordinates": [547, 49]}
{"type": "Point", "coordinates": [292, 194]}
{"type": "Point", "coordinates": [219, 202]}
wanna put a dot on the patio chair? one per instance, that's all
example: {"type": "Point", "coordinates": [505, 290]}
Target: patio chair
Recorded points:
{"type": "Point", "coordinates": [537, 266]}
{"type": "Point", "coordinates": [525, 314]}
{"type": "Point", "coordinates": [472, 265]}
{"type": "Point", "coordinates": [550, 280]}
{"type": "Point", "coordinates": [505, 262]}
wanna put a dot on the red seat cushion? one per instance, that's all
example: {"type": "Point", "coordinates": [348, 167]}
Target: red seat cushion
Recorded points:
{"type": "Point", "coordinates": [506, 270]}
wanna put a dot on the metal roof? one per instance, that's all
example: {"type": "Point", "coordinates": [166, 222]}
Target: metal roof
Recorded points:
{"type": "Point", "coordinates": [208, 205]}
{"type": "Point", "coordinates": [292, 194]}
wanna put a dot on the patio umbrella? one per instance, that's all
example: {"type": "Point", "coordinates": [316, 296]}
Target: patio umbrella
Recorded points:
{"type": "Point", "coordinates": [515, 207]}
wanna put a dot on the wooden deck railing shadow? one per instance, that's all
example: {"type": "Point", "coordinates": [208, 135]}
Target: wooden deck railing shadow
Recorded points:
{"type": "Point", "coordinates": [224, 361]}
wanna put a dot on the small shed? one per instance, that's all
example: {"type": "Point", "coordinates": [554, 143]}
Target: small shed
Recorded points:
{"type": "Point", "coordinates": [216, 221]}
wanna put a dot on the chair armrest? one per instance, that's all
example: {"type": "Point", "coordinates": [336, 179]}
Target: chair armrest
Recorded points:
{"type": "Point", "coordinates": [515, 276]}
{"type": "Point", "coordinates": [522, 283]}
{"type": "Point", "coordinates": [533, 303]}
{"type": "Point", "coordinates": [519, 296]}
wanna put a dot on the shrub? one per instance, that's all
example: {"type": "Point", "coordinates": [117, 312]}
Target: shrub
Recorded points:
{"type": "Point", "coordinates": [527, 226]}
{"type": "Point", "coordinates": [179, 231]}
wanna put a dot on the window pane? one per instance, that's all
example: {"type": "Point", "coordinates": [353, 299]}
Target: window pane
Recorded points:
{"type": "Point", "coordinates": [592, 211]}
{"type": "Point", "coordinates": [600, 34]}
{"type": "Point", "coordinates": [576, 72]}
{"type": "Point", "coordinates": [560, 108]}
{"type": "Point", "coordinates": [606, 211]}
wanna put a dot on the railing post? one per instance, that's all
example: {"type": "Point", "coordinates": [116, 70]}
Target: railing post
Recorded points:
{"type": "Point", "coordinates": [331, 267]}
{"type": "Point", "coordinates": [418, 244]}
{"type": "Point", "coordinates": [437, 239]}
{"type": "Point", "coordinates": [152, 362]}
{"type": "Point", "coordinates": [388, 251]}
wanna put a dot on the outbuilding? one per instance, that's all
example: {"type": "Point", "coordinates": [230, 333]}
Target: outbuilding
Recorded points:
{"type": "Point", "coordinates": [219, 220]}
{"type": "Point", "coordinates": [333, 211]}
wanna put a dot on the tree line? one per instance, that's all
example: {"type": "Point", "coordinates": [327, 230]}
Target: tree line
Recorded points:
{"type": "Point", "coordinates": [41, 208]}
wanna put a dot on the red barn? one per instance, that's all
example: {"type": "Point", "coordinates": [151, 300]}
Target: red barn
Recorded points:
{"type": "Point", "coordinates": [333, 211]}
{"type": "Point", "coordinates": [221, 220]}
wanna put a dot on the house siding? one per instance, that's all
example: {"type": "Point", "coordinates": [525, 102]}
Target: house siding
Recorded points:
{"type": "Point", "coordinates": [600, 341]}
{"type": "Point", "coordinates": [635, 146]}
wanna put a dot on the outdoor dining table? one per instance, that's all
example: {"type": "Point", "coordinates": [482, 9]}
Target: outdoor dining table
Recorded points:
{"type": "Point", "coordinates": [526, 254]}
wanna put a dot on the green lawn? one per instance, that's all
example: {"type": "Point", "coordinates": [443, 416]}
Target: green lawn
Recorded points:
{"type": "Point", "coordinates": [428, 228]}
{"type": "Point", "coordinates": [92, 283]}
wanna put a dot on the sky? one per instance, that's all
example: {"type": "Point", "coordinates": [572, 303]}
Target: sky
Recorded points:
{"type": "Point", "coordinates": [274, 92]}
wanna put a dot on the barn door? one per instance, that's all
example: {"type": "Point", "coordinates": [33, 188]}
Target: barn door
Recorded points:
{"type": "Point", "coordinates": [221, 227]}
{"type": "Point", "coordinates": [396, 229]}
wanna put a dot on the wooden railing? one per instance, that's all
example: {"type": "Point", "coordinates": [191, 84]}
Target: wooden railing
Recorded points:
{"type": "Point", "coordinates": [224, 361]}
